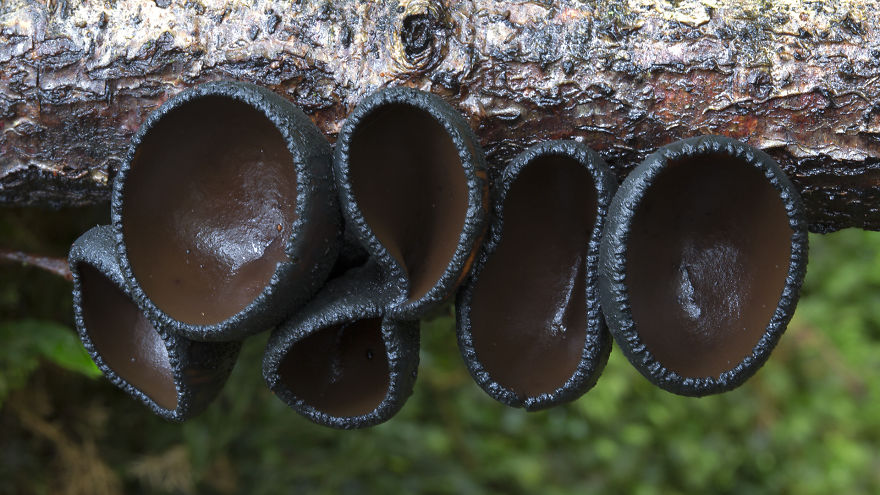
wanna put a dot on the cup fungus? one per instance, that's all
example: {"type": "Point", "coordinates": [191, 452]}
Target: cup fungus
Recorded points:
{"type": "Point", "coordinates": [702, 262]}
{"type": "Point", "coordinates": [412, 183]}
{"type": "Point", "coordinates": [529, 324]}
{"type": "Point", "coordinates": [340, 361]}
{"type": "Point", "coordinates": [176, 377]}
{"type": "Point", "coordinates": [225, 212]}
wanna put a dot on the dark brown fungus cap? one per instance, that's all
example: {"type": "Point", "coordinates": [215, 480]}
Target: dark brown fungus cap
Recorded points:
{"type": "Point", "coordinates": [702, 262]}
{"type": "Point", "coordinates": [174, 376]}
{"type": "Point", "coordinates": [225, 211]}
{"type": "Point", "coordinates": [412, 183]}
{"type": "Point", "coordinates": [340, 361]}
{"type": "Point", "coordinates": [529, 324]}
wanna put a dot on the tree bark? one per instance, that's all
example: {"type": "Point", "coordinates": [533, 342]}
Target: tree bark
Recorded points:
{"type": "Point", "coordinates": [797, 78]}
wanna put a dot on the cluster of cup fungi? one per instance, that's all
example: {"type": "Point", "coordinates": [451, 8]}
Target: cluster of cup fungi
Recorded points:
{"type": "Point", "coordinates": [232, 214]}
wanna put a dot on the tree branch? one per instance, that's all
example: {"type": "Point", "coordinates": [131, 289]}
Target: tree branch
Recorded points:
{"type": "Point", "coordinates": [56, 266]}
{"type": "Point", "coordinates": [801, 82]}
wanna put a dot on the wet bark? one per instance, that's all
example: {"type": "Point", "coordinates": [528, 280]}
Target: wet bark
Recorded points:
{"type": "Point", "coordinates": [797, 78]}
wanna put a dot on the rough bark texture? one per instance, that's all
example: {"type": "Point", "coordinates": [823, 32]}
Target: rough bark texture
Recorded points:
{"type": "Point", "coordinates": [797, 78]}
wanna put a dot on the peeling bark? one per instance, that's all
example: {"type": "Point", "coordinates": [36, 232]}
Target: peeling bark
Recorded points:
{"type": "Point", "coordinates": [797, 78]}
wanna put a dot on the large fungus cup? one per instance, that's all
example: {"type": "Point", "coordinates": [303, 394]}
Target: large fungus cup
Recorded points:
{"type": "Point", "coordinates": [224, 211]}
{"type": "Point", "coordinates": [174, 376]}
{"type": "Point", "coordinates": [529, 324]}
{"type": "Point", "coordinates": [701, 263]}
{"type": "Point", "coordinates": [412, 183]}
{"type": "Point", "coordinates": [341, 361]}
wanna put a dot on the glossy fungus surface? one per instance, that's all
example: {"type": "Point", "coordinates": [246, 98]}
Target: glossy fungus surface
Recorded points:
{"type": "Point", "coordinates": [209, 205]}
{"type": "Point", "coordinates": [125, 339]}
{"type": "Point", "coordinates": [707, 262]}
{"type": "Point", "coordinates": [408, 180]}
{"type": "Point", "coordinates": [528, 312]}
{"type": "Point", "coordinates": [341, 370]}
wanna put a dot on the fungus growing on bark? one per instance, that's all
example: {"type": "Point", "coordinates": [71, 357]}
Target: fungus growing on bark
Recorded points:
{"type": "Point", "coordinates": [225, 222]}
{"type": "Point", "coordinates": [225, 212]}
{"type": "Point", "coordinates": [174, 376]}
{"type": "Point", "coordinates": [702, 261]}
{"type": "Point", "coordinates": [412, 183]}
{"type": "Point", "coordinates": [340, 361]}
{"type": "Point", "coordinates": [529, 324]}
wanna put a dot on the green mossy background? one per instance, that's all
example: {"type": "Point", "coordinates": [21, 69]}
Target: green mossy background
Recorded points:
{"type": "Point", "coordinates": [807, 423]}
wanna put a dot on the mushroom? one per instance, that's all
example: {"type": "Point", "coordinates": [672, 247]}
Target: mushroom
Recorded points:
{"type": "Point", "coordinates": [341, 361]}
{"type": "Point", "coordinates": [413, 189]}
{"type": "Point", "coordinates": [224, 211]}
{"type": "Point", "coordinates": [174, 376]}
{"type": "Point", "coordinates": [702, 262]}
{"type": "Point", "coordinates": [412, 183]}
{"type": "Point", "coordinates": [529, 324]}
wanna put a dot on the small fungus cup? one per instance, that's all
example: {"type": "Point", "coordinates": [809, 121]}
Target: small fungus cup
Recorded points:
{"type": "Point", "coordinates": [341, 362]}
{"type": "Point", "coordinates": [412, 184]}
{"type": "Point", "coordinates": [174, 376]}
{"type": "Point", "coordinates": [530, 328]}
{"type": "Point", "coordinates": [224, 211]}
{"type": "Point", "coordinates": [702, 262]}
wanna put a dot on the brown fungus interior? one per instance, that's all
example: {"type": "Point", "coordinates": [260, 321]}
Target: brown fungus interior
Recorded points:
{"type": "Point", "coordinates": [341, 370]}
{"type": "Point", "coordinates": [708, 255]}
{"type": "Point", "coordinates": [209, 204]}
{"type": "Point", "coordinates": [126, 341]}
{"type": "Point", "coordinates": [408, 180]}
{"type": "Point", "coordinates": [528, 312]}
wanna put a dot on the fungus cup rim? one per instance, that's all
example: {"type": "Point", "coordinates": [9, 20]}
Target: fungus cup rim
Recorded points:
{"type": "Point", "coordinates": [95, 248]}
{"type": "Point", "coordinates": [315, 191]}
{"type": "Point", "coordinates": [613, 256]}
{"type": "Point", "coordinates": [338, 304]}
{"type": "Point", "coordinates": [474, 168]}
{"type": "Point", "coordinates": [597, 345]}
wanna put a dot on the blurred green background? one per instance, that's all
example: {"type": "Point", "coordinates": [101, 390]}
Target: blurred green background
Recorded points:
{"type": "Point", "coordinates": [808, 422]}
